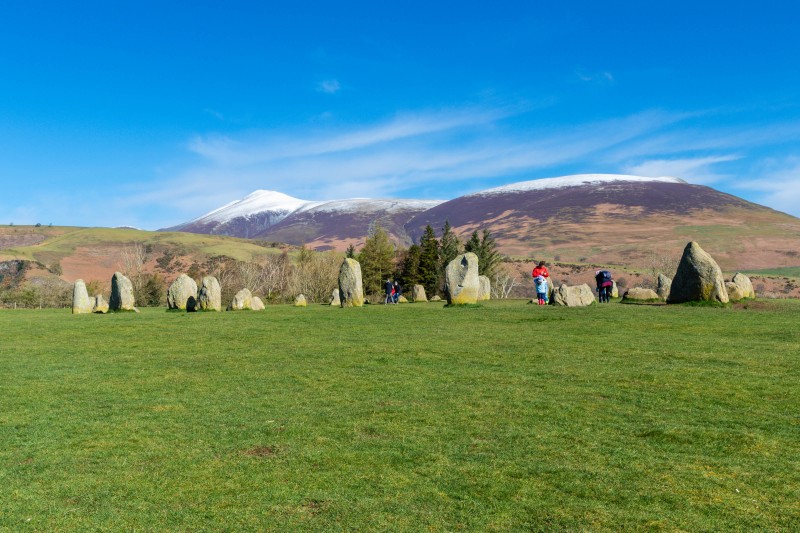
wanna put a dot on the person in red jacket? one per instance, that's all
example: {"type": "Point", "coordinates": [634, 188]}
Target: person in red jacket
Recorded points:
{"type": "Point", "coordinates": [541, 270]}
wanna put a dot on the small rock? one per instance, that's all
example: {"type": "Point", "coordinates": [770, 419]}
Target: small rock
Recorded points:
{"type": "Point", "coordinates": [300, 301]}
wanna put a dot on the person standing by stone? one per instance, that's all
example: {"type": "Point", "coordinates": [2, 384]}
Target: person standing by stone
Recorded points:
{"type": "Point", "coordinates": [541, 289]}
{"type": "Point", "coordinates": [541, 270]}
{"type": "Point", "coordinates": [389, 288]}
{"type": "Point", "coordinates": [397, 291]}
{"type": "Point", "coordinates": [604, 285]}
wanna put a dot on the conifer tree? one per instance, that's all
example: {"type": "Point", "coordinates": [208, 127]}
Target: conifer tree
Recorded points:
{"type": "Point", "coordinates": [409, 267]}
{"type": "Point", "coordinates": [377, 260]}
{"type": "Point", "coordinates": [449, 248]}
{"type": "Point", "coordinates": [351, 251]}
{"type": "Point", "coordinates": [485, 247]}
{"type": "Point", "coordinates": [429, 261]}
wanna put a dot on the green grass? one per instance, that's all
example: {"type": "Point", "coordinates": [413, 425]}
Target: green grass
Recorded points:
{"type": "Point", "coordinates": [402, 418]}
{"type": "Point", "coordinates": [789, 272]}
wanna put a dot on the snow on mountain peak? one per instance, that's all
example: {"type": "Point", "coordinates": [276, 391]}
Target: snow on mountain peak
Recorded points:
{"type": "Point", "coordinates": [255, 202]}
{"type": "Point", "coordinates": [573, 181]}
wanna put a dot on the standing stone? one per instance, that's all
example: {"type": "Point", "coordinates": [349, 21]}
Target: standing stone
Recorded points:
{"type": "Point", "coordinates": [256, 304]}
{"type": "Point", "coordinates": [698, 278]}
{"type": "Point", "coordinates": [734, 291]}
{"type": "Point", "coordinates": [461, 280]}
{"type": "Point", "coordinates": [210, 296]}
{"type": "Point", "coordinates": [664, 286]}
{"type": "Point", "coordinates": [100, 304]}
{"type": "Point", "coordinates": [435, 298]}
{"type": "Point", "coordinates": [81, 303]}
{"type": "Point", "coordinates": [300, 301]}
{"type": "Point", "coordinates": [614, 289]}
{"type": "Point", "coordinates": [418, 294]}
{"type": "Point", "coordinates": [121, 294]}
{"type": "Point", "coordinates": [402, 300]}
{"type": "Point", "coordinates": [484, 288]}
{"type": "Point", "coordinates": [241, 301]}
{"type": "Point", "coordinates": [745, 285]}
{"type": "Point", "coordinates": [335, 300]}
{"type": "Point", "coordinates": [182, 294]}
{"type": "Point", "coordinates": [351, 290]}
{"type": "Point", "coordinates": [638, 294]}
{"type": "Point", "coordinates": [577, 296]}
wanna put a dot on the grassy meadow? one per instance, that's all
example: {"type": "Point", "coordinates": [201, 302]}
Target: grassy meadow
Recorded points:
{"type": "Point", "coordinates": [413, 417]}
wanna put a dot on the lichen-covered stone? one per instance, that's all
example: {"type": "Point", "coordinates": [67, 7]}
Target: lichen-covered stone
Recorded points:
{"type": "Point", "coordinates": [209, 297]}
{"type": "Point", "coordinates": [100, 304]}
{"type": "Point", "coordinates": [435, 298]}
{"type": "Point", "coordinates": [639, 294]}
{"type": "Point", "coordinates": [698, 279]}
{"type": "Point", "coordinates": [121, 294]}
{"type": "Point", "coordinates": [745, 285]}
{"type": "Point", "coordinates": [335, 299]}
{"type": "Point", "coordinates": [81, 303]}
{"type": "Point", "coordinates": [461, 280]}
{"type": "Point", "coordinates": [241, 301]}
{"type": "Point", "coordinates": [735, 293]}
{"type": "Point", "coordinates": [664, 286]}
{"type": "Point", "coordinates": [418, 294]}
{"type": "Point", "coordinates": [402, 300]}
{"type": "Point", "coordinates": [182, 294]}
{"type": "Point", "coordinates": [256, 304]}
{"type": "Point", "coordinates": [614, 289]}
{"type": "Point", "coordinates": [484, 288]}
{"type": "Point", "coordinates": [575, 296]}
{"type": "Point", "coordinates": [300, 301]}
{"type": "Point", "coordinates": [351, 289]}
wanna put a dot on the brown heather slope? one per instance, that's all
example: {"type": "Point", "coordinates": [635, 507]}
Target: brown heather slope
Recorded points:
{"type": "Point", "coordinates": [623, 223]}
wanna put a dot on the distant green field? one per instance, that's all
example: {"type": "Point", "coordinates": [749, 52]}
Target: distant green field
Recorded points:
{"type": "Point", "coordinates": [63, 241]}
{"type": "Point", "coordinates": [790, 272]}
{"type": "Point", "coordinates": [404, 418]}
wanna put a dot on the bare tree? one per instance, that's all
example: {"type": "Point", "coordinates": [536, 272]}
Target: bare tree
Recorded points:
{"type": "Point", "coordinates": [505, 279]}
{"type": "Point", "coordinates": [660, 262]}
{"type": "Point", "coordinates": [132, 263]}
{"type": "Point", "coordinates": [315, 276]}
{"type": "Point", "coordinates": [275, 274]}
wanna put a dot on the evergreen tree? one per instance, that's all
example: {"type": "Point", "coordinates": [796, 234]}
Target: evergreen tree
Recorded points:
{"type": "Point", "coordinates": [485, 247]}
{"type": "Point", "coordinates": [377, 260]}
{"type": "Point", "coordinates": [409, 267]}
{"type": "Point", "coordinates": [429, 261]}
{"type": "Point", "coordinates": [450, 245]}
{"type": "Point", "coordinates": [351, 251]}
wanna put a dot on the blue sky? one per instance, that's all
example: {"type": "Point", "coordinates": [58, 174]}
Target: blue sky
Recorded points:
{"type": "Point", "coordinates": [146, 114]}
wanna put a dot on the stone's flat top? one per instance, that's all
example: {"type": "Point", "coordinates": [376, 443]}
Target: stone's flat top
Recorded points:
{"type": "Point", "coordinates": [576, 180]}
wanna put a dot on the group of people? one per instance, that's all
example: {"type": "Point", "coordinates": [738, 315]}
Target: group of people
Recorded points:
{"type": "Point", "coordinates": [541, 278]}
{"type": "Point", "coordinates": [393, 292]}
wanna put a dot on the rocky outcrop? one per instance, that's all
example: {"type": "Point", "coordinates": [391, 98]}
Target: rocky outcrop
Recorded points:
{"type": "Point", "coordinates": [100, 304]}
{"type": "Point", "coordinates": [744, 284]}
{"type": "Point", "coordinates": [664, 286]}
{"type": "Point", "coordinates": [351, 289]}
{"type": "Point", "coordinates": [335, 299]}
{"type": "Point", "coordinates": [418, 294]}
{"type": "Point", "coordinates": [300, 301]}
{"type": "Point", "coordinates": [210, 296]}
{"type": "Point", "coordinates": [241, 301]}
{"type": "Point", "coordinates": [81, 303]}
{"type": "Point", "coordinates": [256, 304]}
{"type": "Point", "coordinates": [484, 288]}
{"type": "Point", "coordinates": [461, 280]}
{"type": "Point", "coordinates": [576, 296]}
{"type": "Point", "coordinates": [698, 278]}
{"type": "Point", "coordinates": [638, 294]}
{"type": "Point", "coordinates": [121, 294]}
{"type": "Point", "coordinates": [182, 294]}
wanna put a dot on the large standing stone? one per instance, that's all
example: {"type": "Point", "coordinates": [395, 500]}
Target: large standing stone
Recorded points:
{"type": "Point", "coordinates": [638, 294]}
{"type": "Point", "coordinates": [745, 285]}
{"type": "Point", "coordinates": [698, 278]}
{"type": "Point", "coordinates": [100, 304]}
{"type": "Point", "coordinates": [418, 294]}
{"type": "Point", "coordinates": [734, 291]}
{"type": "Point", "coordinates": [461, 280]}
{"type": "Point", "coordinates": [335, 299]}
{"type": "Point", "coordinates": [81, 303]}
{"type": "Point", "coordinates": [121, 294]}
{"type": "Point", "coordinates": [210, 296]}
{"type": "Point", "coordinates": [576, 296]}
{"type": "Point", "coordinates": [351, 290]}
{"type": "Point", "coordinates": [664, 285]}
{"type": "Point", "coordinates": [256, 304]}
{"type": "Point", "coordinates": [300, 301]}
{"type": "Point", "coordinates": [484, 288]}
{"type": "Point", "coordinates": [182, 294]}
{"type": "Point", "coordinates": [241, 301]}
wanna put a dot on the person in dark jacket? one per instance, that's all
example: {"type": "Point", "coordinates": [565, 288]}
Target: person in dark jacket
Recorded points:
{"type": "Point", "coordinates": [604, 285]}
{"type": "Point", "coordinates": [388, 288]}
{"type": "Point", "coordinates": [397, 291]}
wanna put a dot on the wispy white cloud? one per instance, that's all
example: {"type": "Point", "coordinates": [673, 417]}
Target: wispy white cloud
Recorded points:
{"type": "Point", "coordinates": [695, 170]}
{"type": "Point", "coordinates": [587, 76]}
{"type": "Point", "coordinates": [776, 182]}
{"type": "Point", "coordinates": [329, 86]}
